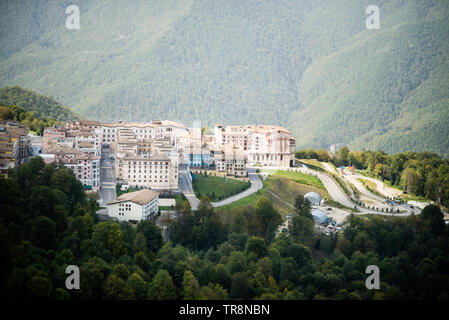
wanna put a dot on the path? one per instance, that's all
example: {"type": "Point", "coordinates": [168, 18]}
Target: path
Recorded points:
{"type": "Point", "coordinates": [185, 186]}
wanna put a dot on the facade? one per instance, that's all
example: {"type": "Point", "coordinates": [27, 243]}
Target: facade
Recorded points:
{"type": "Point", "coordinates": [15, 145]}
{"type": "Point", "coordinates": [159, 172]}
{"type": "Point", "coordinates": [85, 166]}
{"type": "Point", "coordinates": [262, 145]}
{"type": "Point", "coordinates": [134, 206]}
{"type": "Point", "coordinates": [230, 160]}
{"type": "Point", "coordinates": [156, 130]}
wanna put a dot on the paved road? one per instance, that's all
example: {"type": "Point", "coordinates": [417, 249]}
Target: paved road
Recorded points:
{"type": "Point", "coordinates": [107, 179]}
{"type": "Point", "coordinates": [360, 187]}
{"type": "Point", "coordinates": [185, 187]}
{"type": "Point", "coordinates": [256, 185]}
{"type": "Point", "coordinates": [338, 195]}
{"type": "Point", "coordinates": [382, 189]}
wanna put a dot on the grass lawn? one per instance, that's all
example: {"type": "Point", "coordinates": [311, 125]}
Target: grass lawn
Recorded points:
{"type": "Point", "coordinates": [217, 188]}
{"type": "Point", "coordinates": [166, 208]}
{"type": "Point", "coordinates": [298, 177]}
{"type": "Point", "coordinates": [285, 186]}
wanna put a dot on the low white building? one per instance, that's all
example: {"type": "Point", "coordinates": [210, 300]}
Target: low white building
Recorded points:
{"type": "Point", "coordinates": [134, 206]}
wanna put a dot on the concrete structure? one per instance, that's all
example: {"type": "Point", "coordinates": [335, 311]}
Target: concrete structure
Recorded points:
{"type": "Point", "coordinates": [134, 206]}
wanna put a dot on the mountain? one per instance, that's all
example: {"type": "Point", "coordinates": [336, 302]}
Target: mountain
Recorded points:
{"type": "Point", "coordinates": [41, 106]}
{"type": "Point", "coordinates": [310, 65]}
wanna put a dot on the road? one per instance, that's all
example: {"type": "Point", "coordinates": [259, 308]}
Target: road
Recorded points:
{"type": "Point", "coordinates": [185, 187]}
{"type": "Point", "coordinates": [256, 185]}
{"type": "Point", "coordinates": [107, 179]}
{"type": "Point", "coordinates": [338, 195]}
{"type": "Point", "coordinates": [380, 202]}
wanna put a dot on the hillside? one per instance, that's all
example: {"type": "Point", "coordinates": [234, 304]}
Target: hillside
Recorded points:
{"type": "Point", "coordinates": [41, 106]}
{"type": "Point", "coordinates": [308, 65]}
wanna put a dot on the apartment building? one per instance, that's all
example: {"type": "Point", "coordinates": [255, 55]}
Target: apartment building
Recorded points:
{"type": "Point", "coordinates": [85, 166]}
{"type": "Point", "coordinates": [156, 130]}
{"type": "Point", "coordinates": [159, 171]}
{"type": "Point", "coordinates": [14, 145]}
{"type": "Point", "coordinates": [230, 160]}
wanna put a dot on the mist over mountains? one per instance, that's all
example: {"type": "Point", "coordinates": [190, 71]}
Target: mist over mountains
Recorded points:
{"type": "Point", "coordinates": [311, 66]}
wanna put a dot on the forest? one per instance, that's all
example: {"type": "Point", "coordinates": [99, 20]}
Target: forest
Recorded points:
{"type": "Point", "coordinates": [25, 103]}
{"type": "Point", "coordinates": [27, 118]}
{"type": "Point", "coordinates": [47, 222]}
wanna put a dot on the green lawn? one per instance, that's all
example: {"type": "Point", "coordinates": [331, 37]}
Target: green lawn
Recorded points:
{"type": "Point", "coordinates": [298, 177]}
{"type": "Point", "coordinates": [217, 188]}
{"type": "Point", "coordinates": [286, 186]}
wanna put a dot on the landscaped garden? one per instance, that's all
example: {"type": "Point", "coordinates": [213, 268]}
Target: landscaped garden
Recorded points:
{"type": "Point", "coordinates": [217, 188]}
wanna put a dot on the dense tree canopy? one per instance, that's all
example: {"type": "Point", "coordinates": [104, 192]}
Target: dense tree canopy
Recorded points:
{"type": "Point", "coordinates": [47, 222]}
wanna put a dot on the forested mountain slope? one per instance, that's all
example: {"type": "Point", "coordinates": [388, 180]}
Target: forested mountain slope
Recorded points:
{"type": "Point", "coordinates": [310, 65]}
{"type": "Point", "coordinates": [41, 106]}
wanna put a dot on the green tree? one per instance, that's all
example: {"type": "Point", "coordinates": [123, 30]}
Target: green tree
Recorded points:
{"type": "Point", "coordinates": [139, 286]}
{"type": "Point", "coordinates": [116, 289]}
{"type": "Point", "coordinates": [256, 246]}
{"type": "Point", "coordinates": [162, 287]}
{"type": "Point", "coordinates": [191, 288]}
{"type": "Point", "coordinates": [152, 233]}
{"type": "Point", "coordinates": [268, 219]}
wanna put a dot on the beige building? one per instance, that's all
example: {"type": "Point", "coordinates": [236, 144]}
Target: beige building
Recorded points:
{"type": "Point", "coordinates": [156, 130]}
{"type": "Point", "coordinates": [229, 160]}
{"type": "Point", "coordinates": [262, 145]}
{"type": "Point", "coordinates": [14, 145]}
{"type": "Point", "coordinates": [159, 172]}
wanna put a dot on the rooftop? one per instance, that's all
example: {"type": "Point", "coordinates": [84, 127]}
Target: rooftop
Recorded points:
{"type": "Point", "coordinates": [141, 197]}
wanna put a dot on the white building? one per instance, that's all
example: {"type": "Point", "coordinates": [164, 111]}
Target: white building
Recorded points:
{"type": "Point", "coordinates": [134, 206]}
{"type": "Point", "coordinates": [262, 145]}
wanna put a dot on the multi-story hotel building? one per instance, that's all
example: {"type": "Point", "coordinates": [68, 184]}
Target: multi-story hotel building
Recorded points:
{"type": "Point", "coordinates": [261, 144]}
{"type": "Point", "coordinates": [159, 172]}
{"type": "Point", "coordinates": [156, 130]}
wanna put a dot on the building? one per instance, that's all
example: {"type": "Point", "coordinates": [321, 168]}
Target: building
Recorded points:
{"type": "Point", "coordinates": [230, 160]}
{"type": "Point", "coordinates": [14, 145]}
{"type": "Point", "coordinates": [156, 129]}
{"type": "Point", "coordinates": [335, 147]}
{"type": "Point", "coordinates": [313, 197]}
{"type": "Point", "coordinates": [159, 172]}
{"type": "Point", "coordinates": [134, 206]}
{"type": "Point", "coordinates": [320, 217]}
{"type": "Point", "coordinates": [85, 166]}
{"type": "Point", "coordinates": [262, 145]}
